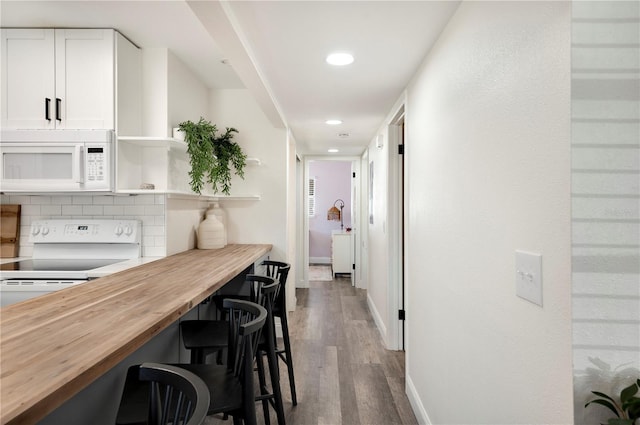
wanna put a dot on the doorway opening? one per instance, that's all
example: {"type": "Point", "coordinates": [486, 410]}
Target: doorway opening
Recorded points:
{"type": "Point", "coordinates": [330, 218]}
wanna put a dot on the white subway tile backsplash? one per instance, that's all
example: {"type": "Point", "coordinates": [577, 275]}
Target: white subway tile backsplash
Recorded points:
{"type": "Point", "coordinates": [103, 200]}
{"type": "Point", "coordinates": [134, 210]}
{"type": "Point", "coordinates": [31, 209]}
{"type": "Point", "coordinates": [153, 251]}
{"type": "Point", "coordinates": [93, 210]}
{"type": "Point", "coordinates": [51, 210]}
{"type": "Point", "coordinates": [123, 200]}
{"type": "Point", "coordinates": [82, 200]}
{"type": "Point", "coordinates": [144, 200]}
{"type": "Point", "coordinates": [149, 209]}
{"type": "Point", "coordinates": [41, 200]}
{"type": "Point", "coordinates": [153, 230]}
{"type": "Point", "coordinates": [153, 210]}
{"type": "Point", "coordinates": [60, 200]}
{"type": "Point", "coordinates": [115, 210]}
{"type": "Point", "coordinates": [25, 251]}
{"type": "Point", "coordinates": [19, 199]}
{"type": "Point", "coordinates": [71, 210]}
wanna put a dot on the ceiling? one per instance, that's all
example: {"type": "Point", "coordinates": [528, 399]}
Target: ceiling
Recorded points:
{"type": "Point", "coordinates": [277, 50]}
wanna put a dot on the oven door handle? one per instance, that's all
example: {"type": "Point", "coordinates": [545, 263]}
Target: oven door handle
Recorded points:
{"type": "Point", "coordinates": [78, 168]}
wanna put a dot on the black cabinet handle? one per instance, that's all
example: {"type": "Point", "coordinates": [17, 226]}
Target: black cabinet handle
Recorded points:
{"type": "Point", "coordinates": [58, 102]}
{"type": "Point", "coordinates": [47, 106]}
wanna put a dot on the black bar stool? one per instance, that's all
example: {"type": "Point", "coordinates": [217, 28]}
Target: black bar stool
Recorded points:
{"type": "Point", "coordinates": [280, 271]}
{"type": "Point", "coordinates": [207, 336]}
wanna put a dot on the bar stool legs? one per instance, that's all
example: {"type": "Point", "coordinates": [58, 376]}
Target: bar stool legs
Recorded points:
{"type": "Point", "coordinates": [286, 357]}
{"type": "Point", "coordinates": [279, 270]}
{"type": "Point", "coordinates": [265, 396]}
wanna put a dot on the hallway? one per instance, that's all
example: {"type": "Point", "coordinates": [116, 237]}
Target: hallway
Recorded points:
{"type": "Point", "coordinates": [344, 376]}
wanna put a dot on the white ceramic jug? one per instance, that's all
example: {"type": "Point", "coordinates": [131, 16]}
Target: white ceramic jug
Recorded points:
{"type": "Point", "coordinates": [221, 216]}
{"type": "Point", "coordinates": [211, 234]}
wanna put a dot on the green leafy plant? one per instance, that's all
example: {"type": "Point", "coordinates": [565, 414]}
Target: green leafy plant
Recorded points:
{"type": "Point", "coordinates": [627, 410]}
{"type": "Point", "coordinates": [212, 156]}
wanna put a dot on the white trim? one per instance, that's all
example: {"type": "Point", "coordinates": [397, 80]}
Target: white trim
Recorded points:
{"type": "Point", "coordinates": [378, 320]}
{"type": "Point", "coordinates": [394, 236]}
{"type": "Point", "coordinates": [319, 260]}
{"type": "Point", "coordinates": [416, 403]}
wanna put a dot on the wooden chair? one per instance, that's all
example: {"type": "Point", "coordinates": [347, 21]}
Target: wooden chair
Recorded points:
{"type": "Point", "coordinates": [230, 386]}
{"type": "Point", "coordinates": [207, 336]}
{"type": "Point", "coordinates": [173, 395]}
{"type": "Point", "coordinates": [280, 271]}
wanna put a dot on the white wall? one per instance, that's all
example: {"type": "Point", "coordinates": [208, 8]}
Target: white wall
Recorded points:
{"type": "Point", "coordinates": [488, 159]}
{"type": "Point", "coordinates": [172, 93]}
{"type": "Point", "coordinates": [605, 201]}
{"type": "Point", "coordinates": [260, 221]}
{"type": "Point", "coordinates": [188, 97]}
{"type": "Point", "coordinates": [377, 242]}
{"type": "Point", "coordinates": [154, 92]}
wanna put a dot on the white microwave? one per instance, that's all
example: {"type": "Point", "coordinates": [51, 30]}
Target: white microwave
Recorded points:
{"type": "Point", "coordinates": [56, 160]}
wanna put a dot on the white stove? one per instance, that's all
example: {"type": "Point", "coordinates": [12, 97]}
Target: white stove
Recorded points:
{"type": "Point", "coordinates": [68, 252]}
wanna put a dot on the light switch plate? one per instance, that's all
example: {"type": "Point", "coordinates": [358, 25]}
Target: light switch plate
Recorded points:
{"type": "Point", "coordinates": [529, 276]}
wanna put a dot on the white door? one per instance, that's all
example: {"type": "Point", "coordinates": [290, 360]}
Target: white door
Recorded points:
{"type": "Point", "coordinates": [28, 93]}
{"type": "Point", "coordinates": [85, 68]}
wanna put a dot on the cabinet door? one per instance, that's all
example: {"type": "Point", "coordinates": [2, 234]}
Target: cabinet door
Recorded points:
{"type": "Point", "coordinates": [27, 78]}
{"type": "Point", "coordinates": [85, 78]}
{"type": "Point", "coordinates": [341, 253]}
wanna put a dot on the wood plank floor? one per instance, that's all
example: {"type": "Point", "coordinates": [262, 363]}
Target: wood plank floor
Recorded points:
{"type": "Point", "coordinates": [344, 375]}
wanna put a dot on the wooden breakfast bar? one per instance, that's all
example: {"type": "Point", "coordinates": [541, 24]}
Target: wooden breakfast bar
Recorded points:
{"type": "Point", "coordinates": [54, 346]}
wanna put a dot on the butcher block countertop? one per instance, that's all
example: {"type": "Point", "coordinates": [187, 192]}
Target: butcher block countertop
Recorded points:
{"type": "Point", "coordinates": [53, 346]}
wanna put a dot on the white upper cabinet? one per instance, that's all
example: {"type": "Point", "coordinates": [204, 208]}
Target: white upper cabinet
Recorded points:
{"type": "Point", "coordinates": [85, 78]}
{"type": "Point", "coordinates": [28, 79]}
{"type": "Point", "coordinates": [58, 78]}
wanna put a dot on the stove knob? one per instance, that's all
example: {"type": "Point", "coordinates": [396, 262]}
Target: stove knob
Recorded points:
{"type": "Point", "coordinates": [118, 230]}
{"type": "Point", "coordinates": [35, 230]}
{"type": "Point", "coordinates": [45, 231]}
{"type": "Point", "coordinates": [128, 230]}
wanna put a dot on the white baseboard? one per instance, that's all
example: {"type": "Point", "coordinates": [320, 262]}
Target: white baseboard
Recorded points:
{"type": "Point", "coordinates": [319, 260]}
{"type": "Point", "coordinates": [378, 320]}
{"type": "Point", "coordinates": [416, 403]}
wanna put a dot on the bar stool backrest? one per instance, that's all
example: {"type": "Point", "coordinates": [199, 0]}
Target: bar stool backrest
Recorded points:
{"type": "Point", "coordinates": [279, 271]}
{"type": "Point", "coordinates": [246, 320]}
{"type": "Point", "coordinates": [177, 396]}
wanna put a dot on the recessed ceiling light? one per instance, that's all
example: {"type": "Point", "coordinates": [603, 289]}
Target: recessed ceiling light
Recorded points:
{"type": "Point", "coordinates": [340, 59]}
{"type": "Point", "coordinates": [333, 150]}
{"type": "Point", "coordinates": [333, 122]}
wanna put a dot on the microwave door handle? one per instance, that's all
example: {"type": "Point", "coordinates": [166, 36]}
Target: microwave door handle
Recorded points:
{"type": "Point", "coordinates": [79, 164]}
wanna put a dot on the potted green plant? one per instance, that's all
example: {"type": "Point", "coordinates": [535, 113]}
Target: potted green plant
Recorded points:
{"type": "Point", "coordinates": [211, 156]}
{"type": "Point", "coordinates": [626, 409]}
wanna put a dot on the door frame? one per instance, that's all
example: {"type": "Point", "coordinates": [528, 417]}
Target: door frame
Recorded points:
{"type": "Point", "coordinates": [355, 183]}
{"type": "Point", "coordinates": [397, 236]}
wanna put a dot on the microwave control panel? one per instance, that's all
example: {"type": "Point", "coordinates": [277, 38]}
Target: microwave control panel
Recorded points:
{"type": "Point", "coordinates": [96, 164]}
